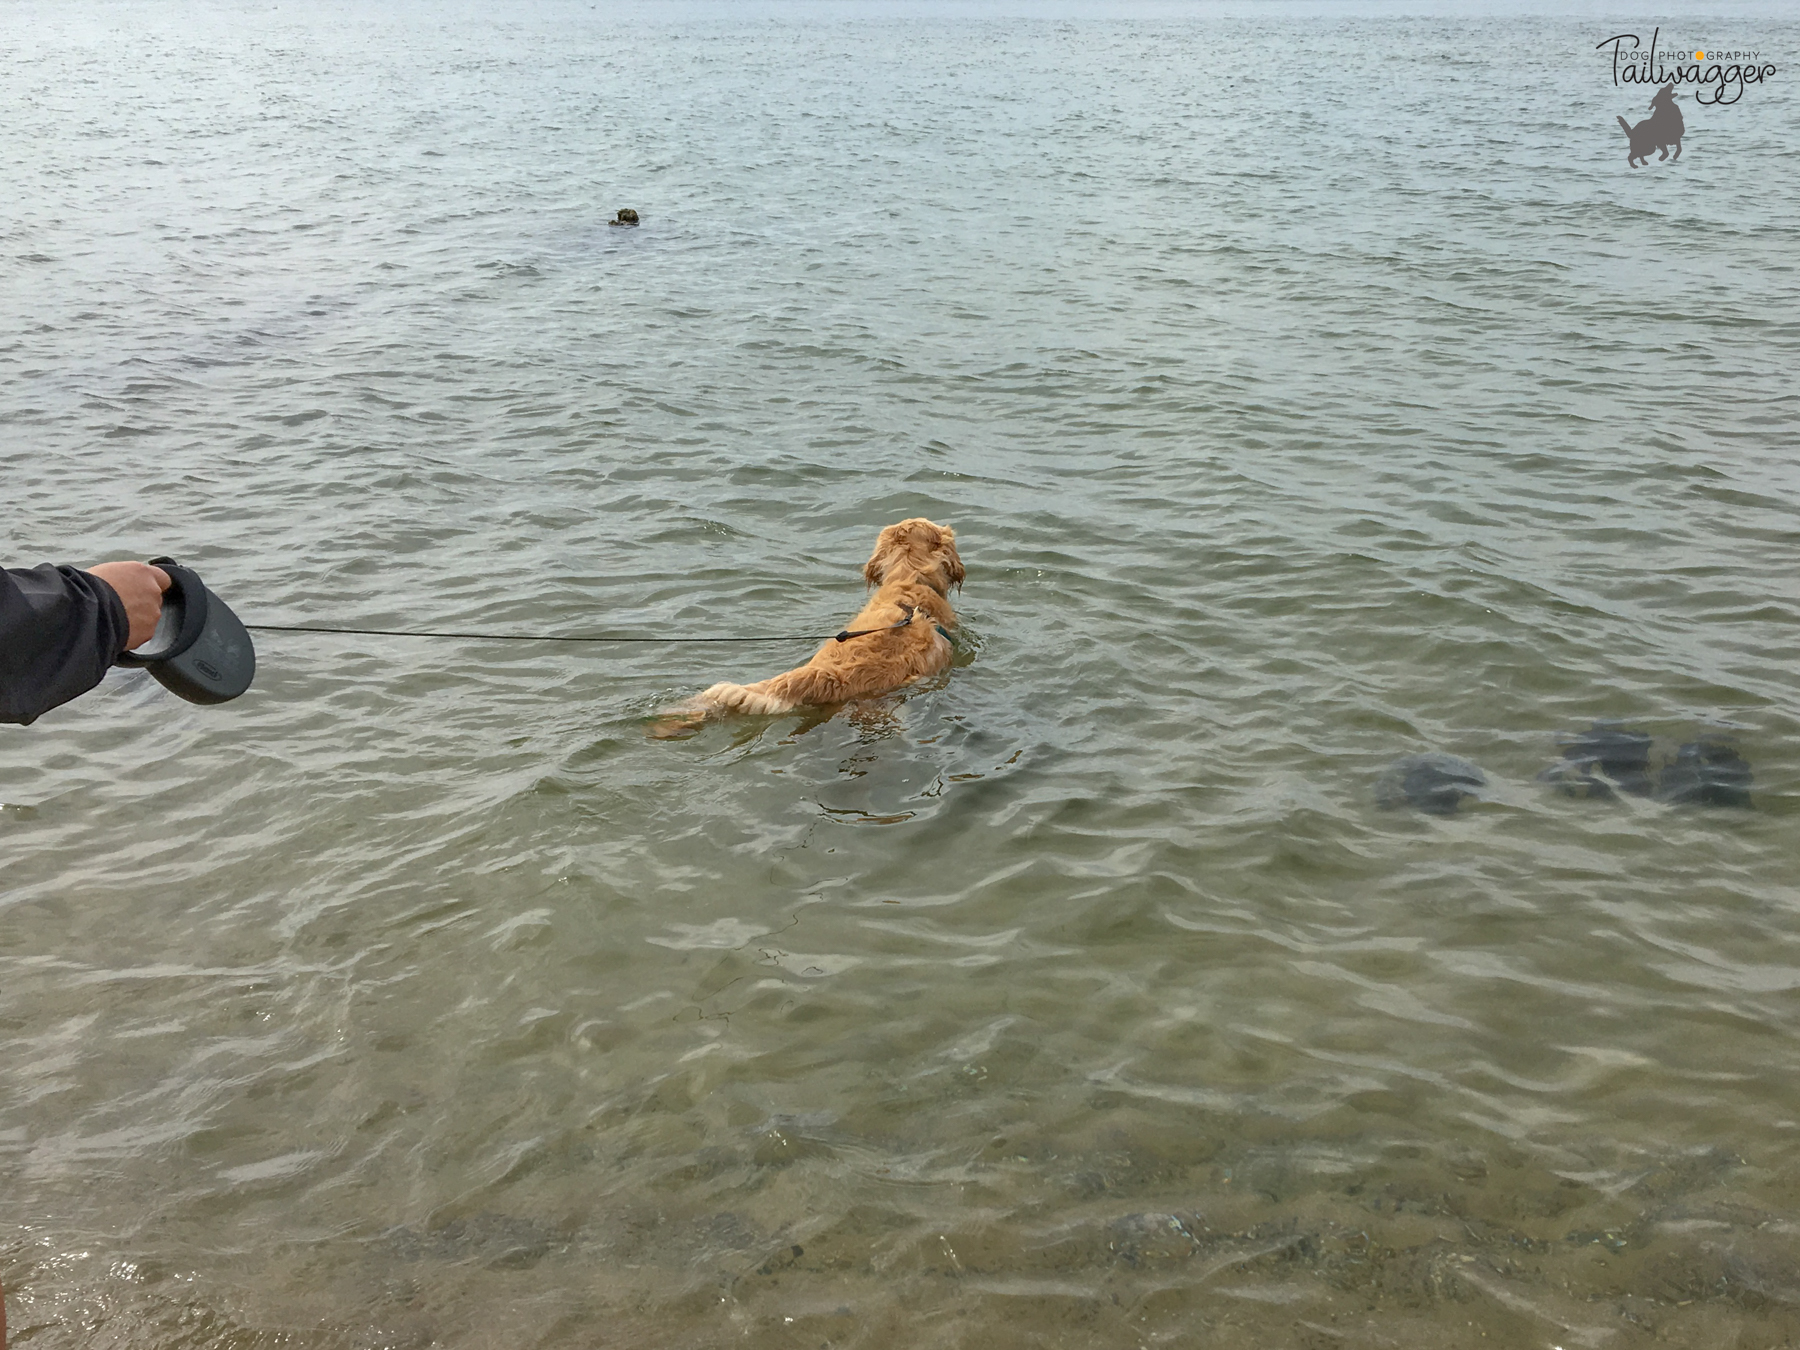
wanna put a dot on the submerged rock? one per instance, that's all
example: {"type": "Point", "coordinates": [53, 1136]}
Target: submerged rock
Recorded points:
{"type": "Point", "coordinates": [1435, 783]}
{"type": "Point", "coordinates": [1706, 772]}
{"type": "Point", "coordinates": [1577, 780]}
{"type": "Point", "coordinates": [1600, 758]}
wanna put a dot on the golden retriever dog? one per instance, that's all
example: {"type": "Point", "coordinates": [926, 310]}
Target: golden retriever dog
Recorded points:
{"type": "Point", "coordinates": [900, 635]}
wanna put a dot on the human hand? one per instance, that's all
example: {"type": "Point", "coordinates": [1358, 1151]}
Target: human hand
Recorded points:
{"type": "Point", "coordinates": [140, 587]}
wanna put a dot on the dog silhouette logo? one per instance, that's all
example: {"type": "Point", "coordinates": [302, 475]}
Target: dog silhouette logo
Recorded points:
{"type": "Point", "coordinates": [1661, 129]}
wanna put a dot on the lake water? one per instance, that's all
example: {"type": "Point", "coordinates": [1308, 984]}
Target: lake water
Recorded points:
{"type": "Point", "coordinates": [1309, 386]}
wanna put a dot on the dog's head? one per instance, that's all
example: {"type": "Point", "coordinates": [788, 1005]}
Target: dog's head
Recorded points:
{"type": "Point", "coordinates": [1664, 95]}
{"type": "Point", "coordinates": [918, 547]}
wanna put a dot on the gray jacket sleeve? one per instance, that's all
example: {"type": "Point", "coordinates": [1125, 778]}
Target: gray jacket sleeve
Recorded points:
{"type": "Point", "coordinates": [59, 631]}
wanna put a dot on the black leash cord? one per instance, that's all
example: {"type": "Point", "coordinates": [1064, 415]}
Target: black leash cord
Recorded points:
{"type": "Point", "coordinates": [844, 636]}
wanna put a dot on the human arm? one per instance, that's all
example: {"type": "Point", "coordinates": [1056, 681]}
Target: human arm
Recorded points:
{"type": "Point", "coordinates": [61, 628]}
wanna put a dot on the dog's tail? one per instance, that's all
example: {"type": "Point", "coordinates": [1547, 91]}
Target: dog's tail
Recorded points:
{"type": "Point", "coordinates": [686, 718]}
{"type": "Point", "coordinates": [1626, 127]}
{"type": "Point", "coordinates": [740, 698]}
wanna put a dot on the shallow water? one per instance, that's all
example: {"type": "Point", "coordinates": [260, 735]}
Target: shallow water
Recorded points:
{"type": "Point", "coordinates": [1309, 387]}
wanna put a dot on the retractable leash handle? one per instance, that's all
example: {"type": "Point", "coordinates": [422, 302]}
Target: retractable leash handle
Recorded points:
{"type": "Point", "coordinates": [199, 650]}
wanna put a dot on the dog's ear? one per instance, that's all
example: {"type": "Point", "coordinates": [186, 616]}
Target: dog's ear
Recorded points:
{"type": "Point", "coordinates": [876, 567]}
{"type": "Point", "coordinates": [934, 543]}
{"type": "Point", "coordinates": [953, 564]}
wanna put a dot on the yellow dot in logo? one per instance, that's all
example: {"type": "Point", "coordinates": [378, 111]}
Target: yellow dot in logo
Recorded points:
{"type": "Point", "coordinates": [1699, 56]}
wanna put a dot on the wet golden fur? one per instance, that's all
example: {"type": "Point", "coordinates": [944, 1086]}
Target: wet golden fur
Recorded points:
{"type": "Point", "coordinates": [915, 564]}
